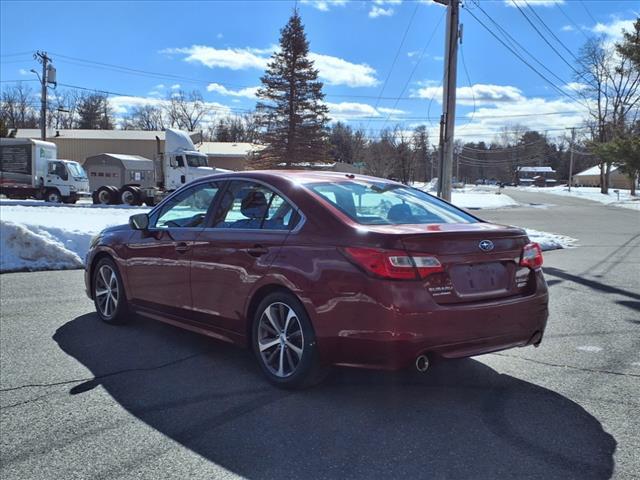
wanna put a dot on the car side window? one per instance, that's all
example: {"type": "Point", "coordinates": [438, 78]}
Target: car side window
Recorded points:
{"type": "Point", "coordinates": [249, 205]}
{"type": "Point", "coordinates": [189, 208]}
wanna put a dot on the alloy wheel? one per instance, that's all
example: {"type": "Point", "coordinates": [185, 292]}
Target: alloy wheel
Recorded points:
{"type": "Point", "coordinates": [107, 291]}
{"type": "Point", "coordinates": [280, 339]}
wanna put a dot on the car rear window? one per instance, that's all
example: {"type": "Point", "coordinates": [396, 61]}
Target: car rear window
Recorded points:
{"type": "Point", "coordinates": [388, 204]}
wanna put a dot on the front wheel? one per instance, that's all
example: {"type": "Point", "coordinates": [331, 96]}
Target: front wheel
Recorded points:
{"type": "Point", "coordinates": [53, 196]}
{"type": "Point", "coordinates": [284, 342]}
{"type": "Point", "coordinates": [108, 293]}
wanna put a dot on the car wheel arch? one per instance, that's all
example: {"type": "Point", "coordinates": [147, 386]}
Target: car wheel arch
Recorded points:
{"type": "Point", "coordinates": [253, 304]}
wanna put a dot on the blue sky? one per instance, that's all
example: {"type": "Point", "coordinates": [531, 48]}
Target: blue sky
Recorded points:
{"type": "Point", "coordinates": [220, 48]}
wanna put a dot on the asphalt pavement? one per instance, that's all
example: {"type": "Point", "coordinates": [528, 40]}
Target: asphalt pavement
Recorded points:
{"type": "Point", "coordinates": [84, 400]}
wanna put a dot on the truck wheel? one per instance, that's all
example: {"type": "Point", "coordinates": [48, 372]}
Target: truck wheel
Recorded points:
{"type": "Point", "coordinates": [103, 196]}
{"type": "Point", "coordinates": [139, 194]}
{"type": "Point", "coordinates": [115, 195]}
{"type": "Point", "coordinates": [128, 196]}
{"type": "Point", "coordinates": [53, 196]}
{"type": "Point", "coordinates": [150, 201]}
{"type": "Point", "coordinates": [71, 199]}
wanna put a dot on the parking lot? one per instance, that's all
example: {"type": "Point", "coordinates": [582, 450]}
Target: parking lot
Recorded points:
{"type": "Point", "coordinates": [81, 399]}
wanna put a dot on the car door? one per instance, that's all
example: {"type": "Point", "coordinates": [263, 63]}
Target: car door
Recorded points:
{"type": "Point", "coordinates": [158, 263]}
{"type": "Point", "coordinates": [246, 233]}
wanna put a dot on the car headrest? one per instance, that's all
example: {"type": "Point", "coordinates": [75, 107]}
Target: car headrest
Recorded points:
{"type": "Point", "coordinates": [399, 213]}
{"type": "Point", "coordinates": [254, 205]}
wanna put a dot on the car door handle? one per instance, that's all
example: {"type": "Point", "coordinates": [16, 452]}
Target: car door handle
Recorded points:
{"type": "Point", "coordinates": [256, 250]}
{"type": "Point", "coordinates": [182, 247]}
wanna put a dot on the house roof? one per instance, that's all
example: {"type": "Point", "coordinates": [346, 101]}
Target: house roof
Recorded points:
{"type": "Point", "coordinates": [97, 134]}
{"type": "Point", "coordinates": [595, 170]}
{"type": "Point", "coordinates": [536, 169]}
{"type": "Point", "coordinates": [229, 149]}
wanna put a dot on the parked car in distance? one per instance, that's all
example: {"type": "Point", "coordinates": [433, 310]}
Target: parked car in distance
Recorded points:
{"type": "Point", "coordinates": [313, 269]}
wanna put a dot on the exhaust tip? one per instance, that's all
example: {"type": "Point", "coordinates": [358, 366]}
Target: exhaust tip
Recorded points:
{"type": "Point", "coordinates": [422, 363]}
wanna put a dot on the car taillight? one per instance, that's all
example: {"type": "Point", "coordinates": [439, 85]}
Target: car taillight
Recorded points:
{"type": "Point", "coordinates": [394, 264]}
{"type": "Point", "coordinates": [531, 256]}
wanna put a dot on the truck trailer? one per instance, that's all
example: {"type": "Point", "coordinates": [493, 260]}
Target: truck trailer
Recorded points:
{"type": "Point", "coordinates": [133, 180]}
{"type": "Point", "coordinates": [30, 169]}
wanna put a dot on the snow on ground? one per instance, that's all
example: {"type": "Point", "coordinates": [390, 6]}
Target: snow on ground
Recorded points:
{"type": "Point", "coordinates": [591, 193]}
{"type": "Point", "coordinates": [473, 197]}
{"type": "Point", "coordinates": [39, 236]}
{"type": "Point", "coordinates": [550, 241]}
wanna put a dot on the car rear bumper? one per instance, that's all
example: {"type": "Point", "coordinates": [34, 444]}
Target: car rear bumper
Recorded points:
{"type": "Point", "coordinates": [397, 336]}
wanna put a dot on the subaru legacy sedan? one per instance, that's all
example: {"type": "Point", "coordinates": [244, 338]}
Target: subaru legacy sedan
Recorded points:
{"type": "Point", "coordinates": [314, 269]}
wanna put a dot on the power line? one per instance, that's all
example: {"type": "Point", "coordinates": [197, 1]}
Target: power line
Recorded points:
{"type": "Point", "coordinates": [395, 58]}
{"type": "Point", "coordinates": [5, 55]}
{"type": "Point", "coordinates": [517, 55]}
{"type": "Point", "coordinates": [546, 40]}
{"type": "Point", "coordinates": [413, 71]}
{"type": "Point", "coordinates": [552, 33]}
{"type": "Point", "coordinates": [584, 5]}
{"type": "Point", "coordinates": [566, 15]}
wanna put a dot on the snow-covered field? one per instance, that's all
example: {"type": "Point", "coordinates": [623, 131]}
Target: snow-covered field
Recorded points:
{"type": "Point", "coordinates": [591, 193]}
{"type": "Point", "coordinates": [39, 236]}
{"type": "Point", "coordinates": [473, 197]}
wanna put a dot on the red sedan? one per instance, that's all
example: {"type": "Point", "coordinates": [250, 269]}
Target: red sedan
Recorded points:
{"type": "Point", "coordinates": [316, 269]}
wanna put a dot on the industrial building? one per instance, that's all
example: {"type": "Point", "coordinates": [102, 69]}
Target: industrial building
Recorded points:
{"type": "Point", "coordinates": [78, 145]}
{"type": "Point", "coordinates": [591, 178]}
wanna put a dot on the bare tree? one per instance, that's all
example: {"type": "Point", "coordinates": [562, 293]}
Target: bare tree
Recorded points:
{"type": "Point", "coordinates": [186, 111]}
{"type": "Point", "coordinates": [611, 93]}
{"type": "Point", "coordinates": [145, 117]}
{"type": "Point", "coordinates": [63, 109]}
{"type": "Point", "coordinates": [18, 107]}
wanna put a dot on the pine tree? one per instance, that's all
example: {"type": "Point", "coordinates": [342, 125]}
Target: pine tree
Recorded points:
{"type": "Point", "coordinates": [292, 114]}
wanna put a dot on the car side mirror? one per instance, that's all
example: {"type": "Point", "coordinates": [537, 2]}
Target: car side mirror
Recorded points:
{"type": "Point", "coordinates": [139, 221]}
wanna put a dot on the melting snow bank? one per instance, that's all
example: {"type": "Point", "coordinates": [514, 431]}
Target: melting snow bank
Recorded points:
{"type": "Point", "coordinates": [38, 236]}
{"type": "Point", "coordinates": [474, 197]}
{"type": "Point", "coordinates": [621, 199]}
{"type": "Point", "coordinates": [550, 241]}
{"type": "Point", "coordinates": [24, 249]}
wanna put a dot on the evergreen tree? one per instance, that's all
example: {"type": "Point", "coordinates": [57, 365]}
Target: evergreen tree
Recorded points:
{"type": "Point", "coordinates": [95, 113]}
{"type": "Point", "coordinates": [293, 116]}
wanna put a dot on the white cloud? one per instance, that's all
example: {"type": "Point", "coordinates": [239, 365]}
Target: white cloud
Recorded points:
{"type": "Point", "coordinates": [23, 71]}
{"type": "Point", "coordinates": [219, 35]}
{"type": "Point", "coordinates": [377, 11]}
{"type": "Point", "coordinates": [324, 5]}
{"type": "Point", "coordinates": [248, 92]}
{"type": "Point", "coordinates": [438, 58]}
{"type": "Point", "coordinates": [533, 3]}
{"type": "Point", "coordinates": [232, 58]}
{"type": "Point", "coordinates": [391, 111]}
{"type": "Point", "coordinates": [568, 28]}
{"type": "Point", "coordinates": [122, 104]}
{"type": "Point", "coordinates": [351, 110]}
{"type": "Point", "coordinates": [337, 71]}
{"type": "Point", "coordinates": [175, 86]}
{"type": "Point", "coordinates": [613, 30]}
{"type": "Point", "coordinates": [332, 70]}
{"type": "Point", "coordinates": [479, 94]}
{"type": "Point", "coordinates": [575, 86]}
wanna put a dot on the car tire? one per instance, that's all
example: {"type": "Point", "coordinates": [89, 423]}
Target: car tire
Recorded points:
{"type": "Point", "coordinates": [109, 296]}
{"type": "Point", "coordinates": [291, 361]}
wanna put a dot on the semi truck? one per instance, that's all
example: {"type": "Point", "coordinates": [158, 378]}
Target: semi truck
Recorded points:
{"type": "Point", "coordinates": [133, 180]}
{"type": "Point", "coordinates": [30, 169]}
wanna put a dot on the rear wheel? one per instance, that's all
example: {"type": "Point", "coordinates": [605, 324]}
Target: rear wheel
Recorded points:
{"type": "Point", "coordinates": [103, 196]}
{"type": "Point", "coordinates": [71, 199]}
{"type": "Point", "coordinates": [108, 293]}
{"type": "Point", "coordinates": [129, 196]}
{"type": "Point", "coordinates": [284, 342]}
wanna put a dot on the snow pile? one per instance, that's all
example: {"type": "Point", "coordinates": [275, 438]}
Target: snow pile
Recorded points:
{"type": "Point", "coordinates": [550, 241]}
{"type": "Point", "coordinates": [25, 249]}
{"type": "Point", "coordinates": [591, 193]}
{"type": "Point", "coordinates": [39, 236]}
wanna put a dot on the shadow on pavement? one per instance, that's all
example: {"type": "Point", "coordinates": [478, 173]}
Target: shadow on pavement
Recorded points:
{"type": "Point", "coordinates": [460, 420]}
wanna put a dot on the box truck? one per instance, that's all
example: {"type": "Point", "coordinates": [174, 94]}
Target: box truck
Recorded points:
{"type": "Point", "coordinates": [30, 169]}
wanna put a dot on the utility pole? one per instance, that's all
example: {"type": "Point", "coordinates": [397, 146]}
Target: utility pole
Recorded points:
{"type": "Point", "coordinates": [573, 141]}
{"type": "Point", "coordinates": [447, 123]}
{"type": "Point", "coordinates": [48, 76]}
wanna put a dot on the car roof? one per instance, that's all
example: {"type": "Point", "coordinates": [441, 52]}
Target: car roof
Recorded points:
{"type": "Point", "coordinates": [301, 176]}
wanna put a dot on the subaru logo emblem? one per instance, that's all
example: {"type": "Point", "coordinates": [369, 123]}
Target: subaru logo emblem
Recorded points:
{"type": "Point", "coordinates": [486, 245]}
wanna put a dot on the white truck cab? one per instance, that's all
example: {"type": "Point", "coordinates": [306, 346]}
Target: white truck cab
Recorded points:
{"type": "Point", "coordinates": [67, 179]}
{"type": "Point", "coordinates": [182, 163]}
